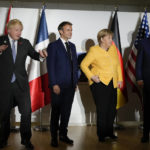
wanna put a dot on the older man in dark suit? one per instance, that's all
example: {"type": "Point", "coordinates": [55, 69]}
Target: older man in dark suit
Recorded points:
{"type": "Point", "coordinates": [14, 85]}
{"type": "Point", "coordinates": [143, 80]}
{"type": "Point", "coordinates": [62, 70]}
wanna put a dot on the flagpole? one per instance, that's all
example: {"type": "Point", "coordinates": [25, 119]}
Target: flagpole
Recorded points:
{"type": "Point", "coordinates": [116, 39]}
{"type": "Point", "coordinates": [41, 43]}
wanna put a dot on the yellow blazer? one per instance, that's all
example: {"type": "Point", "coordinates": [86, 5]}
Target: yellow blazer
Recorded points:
{"type": "Point", "coordinates": [103, 63]}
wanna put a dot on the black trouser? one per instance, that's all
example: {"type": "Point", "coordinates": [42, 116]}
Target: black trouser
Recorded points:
{"type": "Point", "coordinates": [22, 100]}
{"type": "Point", "coordinates": [5, 107]}
{"type": "Point", "coordinates": [146, 114]}
{"type": "Point", "coordinates": [61, 109]}
{"type": "Point", "coordinates": [105, 99]}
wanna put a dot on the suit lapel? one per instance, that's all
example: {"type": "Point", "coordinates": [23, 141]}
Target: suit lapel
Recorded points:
{"type": "Point", "coordinates": [7, 42]}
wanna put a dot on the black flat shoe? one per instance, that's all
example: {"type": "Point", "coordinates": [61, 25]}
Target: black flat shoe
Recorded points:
{"type": "Point", "coordinates": [66, 139]}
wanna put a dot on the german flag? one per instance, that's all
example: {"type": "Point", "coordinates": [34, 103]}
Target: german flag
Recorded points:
{"type": "Point", "coordinates": [121, 92]}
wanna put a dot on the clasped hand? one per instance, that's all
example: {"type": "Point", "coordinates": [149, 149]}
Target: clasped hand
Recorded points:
{"type": "Point", "coordinates": [43, 53]}
{"type": "Point", "coordinates": [120, 84]}
{"type": "Point", "coordinates": [95, 79]}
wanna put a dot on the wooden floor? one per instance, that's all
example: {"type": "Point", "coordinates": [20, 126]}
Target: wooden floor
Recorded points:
{"type": "Point", "coordinates": [84, 139]}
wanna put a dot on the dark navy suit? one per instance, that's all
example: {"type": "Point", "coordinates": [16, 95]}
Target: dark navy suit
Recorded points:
{"type": "Point", "coordinates": [143, 73]}
{"type": "Point", "coordinates": [62, 72]}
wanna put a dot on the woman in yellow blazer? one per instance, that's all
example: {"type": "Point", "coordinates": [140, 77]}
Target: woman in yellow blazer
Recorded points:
{"type": "Point", "coordinates": [102, 68]}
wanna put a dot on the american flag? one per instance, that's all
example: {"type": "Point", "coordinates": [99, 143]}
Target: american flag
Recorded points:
{"type": "Point", "coordinates": [143, 33]}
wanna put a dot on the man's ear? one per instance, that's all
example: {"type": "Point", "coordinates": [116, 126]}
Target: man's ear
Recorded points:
{"type": "Point", "coordinates": [60, 32]}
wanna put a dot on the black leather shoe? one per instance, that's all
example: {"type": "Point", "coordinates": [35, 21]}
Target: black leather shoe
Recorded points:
{"type": "Point", "coordinates": [144, 139]}
{"type": "Point", "coordinates": [54, 142]}
{"type": "Point", "coordinates": [28, 145]}
{"type": "Point", "coordinates": [101, 139]}
{"type": "Point", "coordinates": [114, 137]}
{"type": "Point", "coordinates": [2, 145]}
{"type": "Point", "coordinates": [66, 139]}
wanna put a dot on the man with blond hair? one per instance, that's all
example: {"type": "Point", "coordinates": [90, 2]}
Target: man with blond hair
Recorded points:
{"type": "Point", "coordinates": [14, 87]}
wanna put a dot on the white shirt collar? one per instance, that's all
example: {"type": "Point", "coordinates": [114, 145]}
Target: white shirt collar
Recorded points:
{"type": "Point", "coordinates": [63, 40]}
{"type": "Point", "coordinates": [16, 42]}
{"type": "Point", "coordinates": [10, 39]}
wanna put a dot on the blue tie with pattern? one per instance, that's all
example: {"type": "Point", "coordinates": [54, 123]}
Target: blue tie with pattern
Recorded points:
{"type": "Point", "coordinates": [14, 58]}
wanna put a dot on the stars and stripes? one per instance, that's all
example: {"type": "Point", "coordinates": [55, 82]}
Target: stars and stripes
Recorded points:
{"type": "Point", "coordinates": [143, 33]}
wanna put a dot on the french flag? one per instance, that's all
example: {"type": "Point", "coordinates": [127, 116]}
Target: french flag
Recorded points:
{"type": "Point", "coordinates": [37, 71]}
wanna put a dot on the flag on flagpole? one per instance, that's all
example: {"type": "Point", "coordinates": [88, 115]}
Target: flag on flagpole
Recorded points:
{"type": "Point", "coordinates": [7, 19]}
{"type": "Point", "coordinates": [122, 92]}
{"type": "Point", "coordinates": [143, 32]}
{"type": "Point", "coordinates": [38, 76]}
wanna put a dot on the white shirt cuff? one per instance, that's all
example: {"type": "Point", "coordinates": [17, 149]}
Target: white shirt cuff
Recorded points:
{"type": "Point", "coordinates": [41, 59]}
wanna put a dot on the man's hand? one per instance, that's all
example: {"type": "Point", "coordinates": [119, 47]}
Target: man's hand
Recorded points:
{"type": "Point", "coordinates": [120, 84]}
{"type": "Point", "coordinates": [43, 53]}
{"type": "Point", "coordinates": [3, 48]}
{"type": "Point", "coordinates": [56, 89]}
{"type": "Point", "coordinates": [140, 83]}
{"type": "Point", "coordinates": [95, 79]}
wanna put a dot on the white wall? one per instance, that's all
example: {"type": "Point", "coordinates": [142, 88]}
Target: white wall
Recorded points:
{"type": "Point", "coordinates": [86, 25]}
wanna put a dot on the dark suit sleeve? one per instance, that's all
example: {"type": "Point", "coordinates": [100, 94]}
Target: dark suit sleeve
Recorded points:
{"type": "Point", "coordinates": [31, 51]}
{"type": "Point", "coordinates": [51, 61]}
{"type": "Point", "coordinates": [139, 63]}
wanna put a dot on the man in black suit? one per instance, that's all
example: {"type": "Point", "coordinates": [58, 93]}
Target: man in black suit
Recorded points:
{"type": "Point", "coordinates": [14, 85]}
{"type": "Point", "coordinates": [143, 80]}
{"type": "Point", "coordinates": [63, 76]}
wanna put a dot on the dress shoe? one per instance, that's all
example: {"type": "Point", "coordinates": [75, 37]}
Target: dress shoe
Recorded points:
{"type": "Point", "coordinates": [28, 145]}
{"type": "Point", "coordinates": [54, 142]}
{"type": "Point", "coordinates": [144, 139]}
{"type": "Point", "coordinates": [2, 145]}
{"type": "Point", "coordinates": [101, 139]}
{"type": "Point", "coordinates": [66, 139]}
{"type": "Point", "coordinates": [114, 137]}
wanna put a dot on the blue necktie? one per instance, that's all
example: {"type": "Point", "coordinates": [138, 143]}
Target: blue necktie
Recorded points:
{"type": "Point", "coordinates": [14, 58]}
{"type": "Point", "coordinates": [13, 50]}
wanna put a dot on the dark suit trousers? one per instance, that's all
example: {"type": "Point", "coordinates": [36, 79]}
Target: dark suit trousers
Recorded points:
{"type": "Point", "coordinates": [22, 100]}
{"type": "Point", "coordinates": [5, 107]}
{"type": "Point", "coordinates": [61, 109]}
{"type": "Point", "coordinates": [105, 98]}
{"type": "Point", "coordinates": [146, 103]}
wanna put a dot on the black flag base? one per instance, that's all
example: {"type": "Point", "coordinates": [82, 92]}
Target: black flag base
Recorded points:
{"type": "Point", "coordinates": [40, 128]}
{"type": "Point", "coordinates": [14, 129]}
{"type": "Point", "coordinates": [118, 126]}
{"type": "Point", "coordinates": [141, 126]}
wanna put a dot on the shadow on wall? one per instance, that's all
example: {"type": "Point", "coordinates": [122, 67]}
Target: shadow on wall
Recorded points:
{"type": "Point", "coordinates": [132, 111]}
{"type": "Point", "coordinates": [84, 89]}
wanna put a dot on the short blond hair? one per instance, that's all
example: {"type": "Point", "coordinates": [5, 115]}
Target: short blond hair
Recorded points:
{"type": "Point", "coordinates": [14, 22]}
{"type": "Point", "coordinates": [102, 33]}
